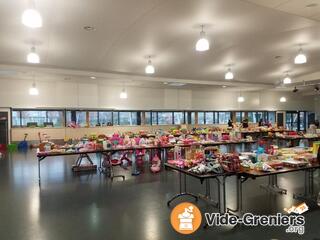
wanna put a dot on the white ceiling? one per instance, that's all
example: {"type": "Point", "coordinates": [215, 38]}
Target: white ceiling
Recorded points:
{"type": "Point", "coordinates": [245, 33]}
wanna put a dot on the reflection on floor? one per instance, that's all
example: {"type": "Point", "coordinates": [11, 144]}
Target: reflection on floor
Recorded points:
{"type": "Point", "coordinates": [89, 206]}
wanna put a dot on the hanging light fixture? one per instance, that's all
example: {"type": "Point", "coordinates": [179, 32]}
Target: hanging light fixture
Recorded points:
{"type": "Point", "coordinates": [149, 68]}
{"type": "Point", "coordinates": [283, 99]}
{"type": "Point", "coordinates": [203, 43]}
{"type": "Point", "coordinates": [229, 74]}
{"type": "Point", "coordinates": [33, 57]}
{"type": "Point", "coordinates": [33, 91]}
{"type": "Point", "coordinates": [301, 58]}
{"type": "Point", "coordinates": [31, 17]}
{"type": "Point", "coordinates": [240, 99]}
{"type": "Point", "coordinates": [123, 94]}
{"type": "Point", "coordinates": [287, 79]}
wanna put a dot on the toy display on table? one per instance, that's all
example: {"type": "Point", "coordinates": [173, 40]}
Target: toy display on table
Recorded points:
{"type": "Point", "coordinates": [230, 162]}
{"type": "Point", "coordinates": [286, 157]}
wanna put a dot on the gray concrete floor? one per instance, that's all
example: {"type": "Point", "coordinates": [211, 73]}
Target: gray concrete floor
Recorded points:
{"type": "Point", "coordinates": [89, 206]}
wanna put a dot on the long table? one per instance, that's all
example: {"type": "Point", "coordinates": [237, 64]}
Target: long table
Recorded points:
{"type": "Point", "coordinates": [272, 185]}
{"type": "Point", "coordinates": [107, 152]}
{"type": "Point", "coordinates": [242, 177]}
{"type": "Point", "coordinates": [219, 177]}
{"type": "Point", "coordinates": [163, 150]}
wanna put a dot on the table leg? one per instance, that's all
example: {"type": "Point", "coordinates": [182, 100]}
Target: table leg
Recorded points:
{"type": "Point", "coordinates": [135, 171]}
{"type": "Point", "coordinates": [308, 195]}
{"type": "Point", "coordinates": [39, 173]}
{"type": "Point", "coordinates": [239, 205]}
{"type": "Point", "coordinates": [222, 209]}
{"type": "Point", "coordinates": [207, 196]}
{"type": "Point", "coordinates": [39, 169]}
{"type": "Point", "coordinates": [183, 190]}
{"type": "Point", "coordinates": [272, 185]}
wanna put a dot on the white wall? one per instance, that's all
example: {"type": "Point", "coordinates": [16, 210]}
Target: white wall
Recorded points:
{"type": "Point", "coordinates": [14, 93]}
{"type": "Point", "coordinates": [264, 100]}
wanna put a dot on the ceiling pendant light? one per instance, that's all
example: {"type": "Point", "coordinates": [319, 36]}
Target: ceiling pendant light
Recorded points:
{"type": "Point", "coordinates": [123, 94]}
{"type": "Point", "coordinates": [240, 99]}
{"type": "Point", "coordinates": [149, 68]}
{"type": "Point", "coordinates": [287, 79]}
{"type": "Point", "coordinates": [31, 18]}
{"type": "Point", "coordinates": [33, 57]}
{"type": "Point", "coordinates": [203, 43]}
{"type": "Point", "coordinates": [33, 91]}
{"type": "Point", "coordinates": [229, 74]}
{"type": "Point", "coordinates": [301, 58]}
{"type": "Point", "coordinates": [283, 99]}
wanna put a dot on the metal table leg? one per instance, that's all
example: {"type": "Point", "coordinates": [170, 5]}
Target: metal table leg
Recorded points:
{"type": "Point", "coordinates": [39, 169]}
{"type": "Point", "coordinates": [308, 195]}
{"type": "Point", "coordinates": [272, 185]}
{"type": "Point", "coordinates": [239, 205]}
{"type": "Point", "coordinates": [207, 196]}
{"type": "Point", "coordinates": [183, 189]}
{"type": "Point", "coordinates": [135, 171]}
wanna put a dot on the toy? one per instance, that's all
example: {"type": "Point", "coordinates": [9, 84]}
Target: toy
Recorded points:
{"type": "Point", "coordinates": [156, 164]}
{"type": "Point", "coordinates": [23, 145]}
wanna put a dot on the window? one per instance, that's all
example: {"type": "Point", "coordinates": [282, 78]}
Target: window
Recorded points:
{"type": "Point", "coordinates": [16, 118]}
{"type": "Point", "coordinates": [193, 118]}
{"type": "Point", "coordinates": [37, 118]}
{"type": "Point", "coordinates": [33, 118]}
{"type": "Point", "coordinates": [216, 117]}
{"type": "Point", "coordinates": [56, 117]}
{"type": "Point", "coordinates": [69, 118]}
{"type": "Point", "coordinates": [201, 118]}
{"type": "Point", "coordinates": [127, 118]}
{"type": "Point", "coordinates": [93, 119]}
{"type": "Point", "coordinates": [105, 118]}
{"type": "Point", "coordinates": [115, 117]}
{"type": "Point", "coordinates": [272, 117]}
{"type": "Point", "coordinates": [292, 121]}
{"type": "Point", "coordinates": [154, 118]}
{"type": "Point", "coordinates": [147, 118]}
{"type": "Point", "coordinates": [302, 121]}
{"type": "Point", "coordinates": [209, 119]}
{"type": "Point", "coordinates": [224, 117]}
{"type": "Point", "coordinates": [81, 118]}
{"type": "Point", "coordinates": [252, 117]}
{"type": "Point", "coordinates": [239, 117]}
{"type": "Point", "coordinates": [178, 118]}
{"type": "Point", "coordinates": [165, 118]}
{"type": "Point", "coordinates": [260, 115]}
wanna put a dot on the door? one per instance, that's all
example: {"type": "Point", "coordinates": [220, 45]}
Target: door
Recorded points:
{"type": "Point", "coordinates": [3, 128]}
{"type": "Point", "coordinates": [311, 118]}
{"type": "Point", "coordinates": [280, 119]}
{"type": "Point", "coordinates": [292, 121]}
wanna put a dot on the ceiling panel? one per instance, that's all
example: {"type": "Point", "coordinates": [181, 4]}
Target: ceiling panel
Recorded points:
{"type": "Point", "coordinates": [247, 34]}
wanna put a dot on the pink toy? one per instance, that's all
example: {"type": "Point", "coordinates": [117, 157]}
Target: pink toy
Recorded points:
{"type": "Point", "coordinates": [156, 164]}
{"type": "Point", "coordinates": [116, 139]}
